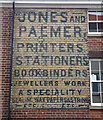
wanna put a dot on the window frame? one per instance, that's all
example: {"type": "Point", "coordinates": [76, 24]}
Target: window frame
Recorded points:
{"type": "Point", "coordinates": [95, 21]}
{"type": "Point", "coordinates": [91, 81]}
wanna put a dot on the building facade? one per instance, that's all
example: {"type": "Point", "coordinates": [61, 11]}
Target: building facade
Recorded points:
{"type": "Point", "coordinates": [51, 59]}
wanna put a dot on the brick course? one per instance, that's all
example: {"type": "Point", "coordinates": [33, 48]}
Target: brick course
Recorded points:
{"type": "Point", "coordinates": [95, 44]}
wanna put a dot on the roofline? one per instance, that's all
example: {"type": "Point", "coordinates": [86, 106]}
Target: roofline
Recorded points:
{"type": "Point", "coordinates": [53, 4]}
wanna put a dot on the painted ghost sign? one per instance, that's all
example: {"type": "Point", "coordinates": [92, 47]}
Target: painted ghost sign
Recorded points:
{"type": "Point", "coordinates": [50, 59]}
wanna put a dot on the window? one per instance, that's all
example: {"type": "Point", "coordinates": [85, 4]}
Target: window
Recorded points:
{"type": "Point", "coordinates": [95, 22]}
{"type": "Point", "coordinates": [96, 82]}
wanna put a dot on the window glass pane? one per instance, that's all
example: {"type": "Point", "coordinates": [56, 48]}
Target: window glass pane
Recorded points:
{"type": "Point", "coordinates": [93, 77]}
{"type": "Point", "coordinates": [95, 87]}
{"type": "Point", "coordinates": [100, 27]}
{"type": "Point", "coordinates": [100, 16]}
{"type": "Point", "coordinates": [95, 65]}
{"type": "Point", "coordinates": [101, 87]}
{"type": "Point", "coordinates": [101, 75]}
{"type": "Point", "coordinates": [92, 17]}
{"type": "Point", "coordinates": [102, 97]}
{"type": "Point", "coordinates": [92, 27]}
{"type": "Point", "coordinates": [101, 64]}
{"type": "Point", "coordinates": [101, 68]}
{"type": "Point", "coordinates": [96, 98]}
{"type": "Point", "coordinates": [96, 75]}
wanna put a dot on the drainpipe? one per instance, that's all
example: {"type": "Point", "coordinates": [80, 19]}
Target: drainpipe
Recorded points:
{"type": "Point", "coordinates": [13, 13]}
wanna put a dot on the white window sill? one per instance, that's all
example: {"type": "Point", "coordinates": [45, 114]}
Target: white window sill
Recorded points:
{"type": "Point", "coordinates": [95, 107]}
{"type": "Point", "coordinates": [94, 35]}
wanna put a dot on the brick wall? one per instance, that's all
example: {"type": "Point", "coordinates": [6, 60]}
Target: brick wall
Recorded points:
{"type": "Point", "coordinates": [54, 114]}
{"type": "Point", "coordinates": [0, 62]}
{"type": "Point", "coordinates": [57, 114]}
{"type": "Point", "coordinates": [95, 45]}
{"type": "Point", "coordinates": [5, 50]}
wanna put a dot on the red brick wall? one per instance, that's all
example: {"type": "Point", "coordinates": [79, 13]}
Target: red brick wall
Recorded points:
{"type": "Point", "coordinates": [95, 45]}
{"type": "Point", "coordinates": [98, 114]}
{"type": "Point", "coordinates": [0, 63]}
{"type": "Point", "coordinates": [5, 48]}
{"type": "Point", "coordinates": [58, 114]}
